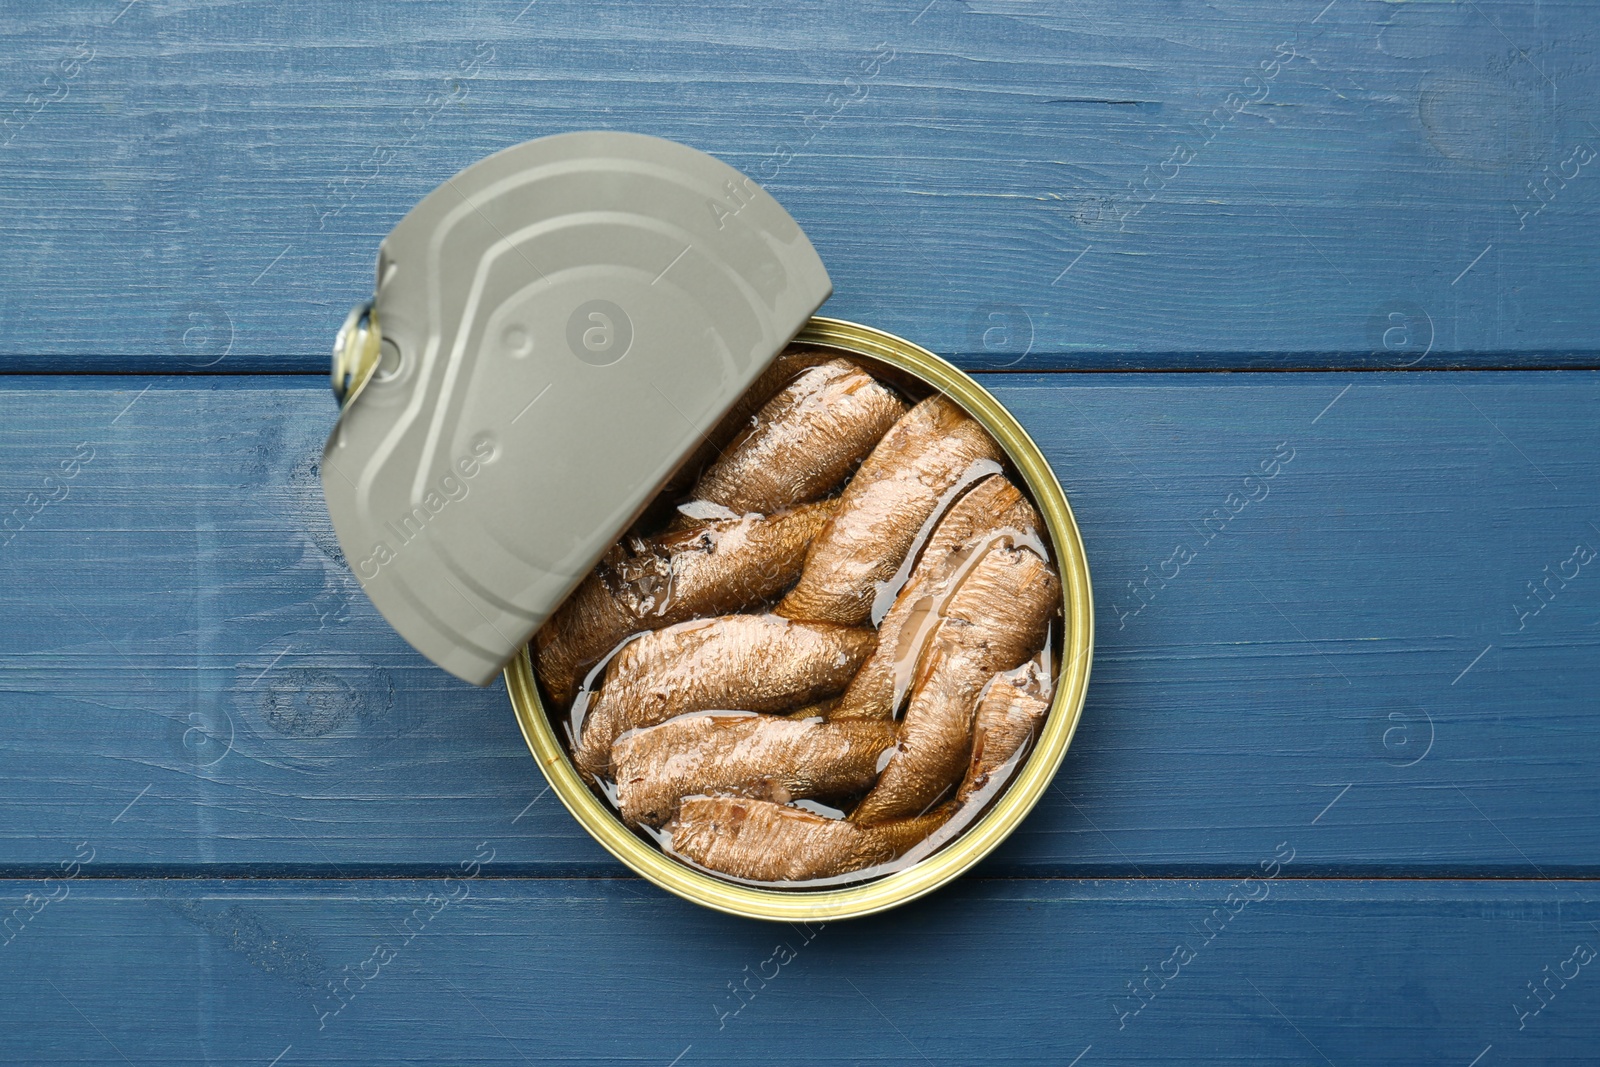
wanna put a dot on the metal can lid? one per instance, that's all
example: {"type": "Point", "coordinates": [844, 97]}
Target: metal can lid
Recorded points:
{"type": "Point", "coordinates": [554, 330]}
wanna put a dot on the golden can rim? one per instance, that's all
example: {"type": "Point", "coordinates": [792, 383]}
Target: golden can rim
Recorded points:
{"type": "Point", "coordinates": [979, 839]}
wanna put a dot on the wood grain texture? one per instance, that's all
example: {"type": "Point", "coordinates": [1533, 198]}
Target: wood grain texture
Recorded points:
{"type": "Point", "coordinates": [1349, 618]}
{"type": "Point", "coordinates": [191, 185]}
{"type": "Point", "coordinates": [598, 971]}
{"type": "Point", "coordinates": [179, 633]}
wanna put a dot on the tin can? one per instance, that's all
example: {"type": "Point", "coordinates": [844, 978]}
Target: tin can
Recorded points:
{"type": "Point", "coordinates": [1008, 810]}
{"type": "Point", "coordinates": [552, 332]}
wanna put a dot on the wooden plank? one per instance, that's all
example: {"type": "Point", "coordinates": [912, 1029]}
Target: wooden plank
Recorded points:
{"type": "Point", "coordinates": [199, 186]}
{"type": "Point", "coordinates": [178, 634]}
{"type": "Point", "coordinates": [600, 971]}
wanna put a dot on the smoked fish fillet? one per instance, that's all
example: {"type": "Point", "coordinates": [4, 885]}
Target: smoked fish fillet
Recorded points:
{"type": "Point", "coordinates": [1009, 715]}
{"type": "Point", "coordinates": [803, 442]}
{"type": "Point", "coordinates": [767, 842]}
{"type": "Point", "coordinates": [779, 374]}
{"type": "Point", "coordinates": [763, 756]}
{"type": "Point", "coordinates": [996, 616]}
{"type": "Point", "coordinates": [710, 568]}
{"type": "Point", "coordinates": [880, 512]}
{"type": "Point", "coordinates": [991, 505]}
{"type": "Point", "coordinates": [728, 663]}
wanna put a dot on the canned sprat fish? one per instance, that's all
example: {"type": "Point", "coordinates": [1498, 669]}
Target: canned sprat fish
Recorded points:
{"type": "Point", "coordinates": [966, 643]}
{"type": "Point", "coordinates": [819, 659]}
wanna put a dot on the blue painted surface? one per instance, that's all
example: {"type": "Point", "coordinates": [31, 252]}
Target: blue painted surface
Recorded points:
{"type": "Point", "coordinates": [192, 185]}
{"type": "Point", "coordinates": [503, 971]}
{"type": "Point", "coordinates": [229, 788]}
{"type": "Point", "coordinates": [184, 610]}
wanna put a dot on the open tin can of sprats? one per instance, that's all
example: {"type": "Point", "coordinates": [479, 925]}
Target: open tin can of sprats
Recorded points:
{"type": "Point", "coordinates": [558, 336]}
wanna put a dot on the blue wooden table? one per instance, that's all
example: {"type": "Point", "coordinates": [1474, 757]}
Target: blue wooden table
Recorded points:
{"type": "Point", "coordinates": [1334, 799]}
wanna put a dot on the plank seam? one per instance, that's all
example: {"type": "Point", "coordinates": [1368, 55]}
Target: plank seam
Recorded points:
{"type": "Point", "coordinates": [169, 874]}
{"type": "Point", "coordinates": [1452, 368]}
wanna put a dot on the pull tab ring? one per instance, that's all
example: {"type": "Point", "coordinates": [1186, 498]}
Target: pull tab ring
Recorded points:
{"type": "Point", "coordinates": [355, 353]}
